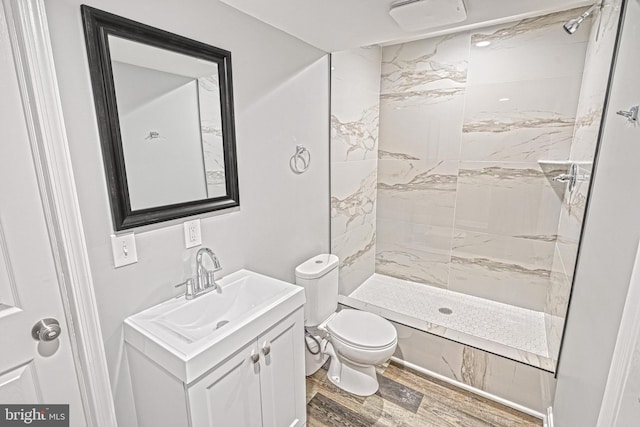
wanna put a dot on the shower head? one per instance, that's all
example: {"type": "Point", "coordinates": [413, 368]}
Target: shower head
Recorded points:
{"type": "Point", "coordinates": [571, 26]}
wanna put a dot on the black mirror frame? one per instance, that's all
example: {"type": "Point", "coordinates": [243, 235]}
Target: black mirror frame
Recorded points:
{"type": "Point", "coordinates": [98, 25]}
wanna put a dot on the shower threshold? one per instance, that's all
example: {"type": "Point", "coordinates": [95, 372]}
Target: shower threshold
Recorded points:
{"type": "Point", "coordinates": [506, 330]}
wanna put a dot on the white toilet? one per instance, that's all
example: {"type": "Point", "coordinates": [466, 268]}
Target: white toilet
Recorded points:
{"type": "Point", "coordinates": [356, 340]}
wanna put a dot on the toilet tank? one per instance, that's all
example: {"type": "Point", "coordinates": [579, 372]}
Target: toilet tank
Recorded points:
{"type": "Point", "coordinates": [319, 278]}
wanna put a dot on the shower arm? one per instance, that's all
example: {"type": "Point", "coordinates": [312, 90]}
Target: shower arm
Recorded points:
{"type": "Point", "coordinates": [572, 25]}
{"type": "Point", "coordinates": [591, 9]}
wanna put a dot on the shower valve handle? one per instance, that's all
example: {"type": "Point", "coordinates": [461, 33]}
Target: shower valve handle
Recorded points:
{"type": "Point", "coordinates": [631, 115]}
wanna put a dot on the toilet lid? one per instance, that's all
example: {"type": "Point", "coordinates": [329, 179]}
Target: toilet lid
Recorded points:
{"type": "Point", "coordinates": [362, 329]}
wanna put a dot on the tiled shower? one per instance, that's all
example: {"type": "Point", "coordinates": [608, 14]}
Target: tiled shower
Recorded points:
{"type": "Point", "coordinates": [444, 153]}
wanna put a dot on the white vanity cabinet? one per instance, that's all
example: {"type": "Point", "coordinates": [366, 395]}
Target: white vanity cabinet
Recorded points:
{"type": "Point", "coordinates": [260, 385]}
{"type": "Point", "coordinates": [229, 395]}
{"type": "Point", "coordinates": [233, 357]}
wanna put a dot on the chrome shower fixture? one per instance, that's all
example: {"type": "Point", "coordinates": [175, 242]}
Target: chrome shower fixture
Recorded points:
{"type": "Point", "coordinates": [572, 25]}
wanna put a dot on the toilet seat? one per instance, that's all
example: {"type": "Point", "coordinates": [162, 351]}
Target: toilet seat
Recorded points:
{"type": "Point", "coordinates": [362, 330]}
{"type": "Point", "coordinates": [355, 347]}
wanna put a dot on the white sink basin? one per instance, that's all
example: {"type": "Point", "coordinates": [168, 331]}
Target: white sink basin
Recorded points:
{"type": "Point", "coordinates": [205, 315]}
{"type": "Point", "coordinates": [189, 337]}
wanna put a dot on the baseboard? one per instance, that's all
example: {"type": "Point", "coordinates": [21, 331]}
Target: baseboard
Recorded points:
{"type": "Point", "coordinates": [474, 390]}
{"type": "Point", "coordinates": [548, 420]}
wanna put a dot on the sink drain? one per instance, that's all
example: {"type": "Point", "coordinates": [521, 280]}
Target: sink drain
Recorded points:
{"type": "Point", "coordinates": [445, 310]}
{"type": "Point", "coordinates": [221, 324]}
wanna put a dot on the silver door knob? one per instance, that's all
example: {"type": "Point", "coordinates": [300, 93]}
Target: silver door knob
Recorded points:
{"type": "Point", "coordinates": [266, 349]}
{"type": "Point", "coordinates": [46, 330]}
{"type": "Point", "coordinates": [255, 357]}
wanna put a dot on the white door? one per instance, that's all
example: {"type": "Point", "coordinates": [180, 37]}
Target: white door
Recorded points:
{"type": "Point", "coordinates": [31, 371]}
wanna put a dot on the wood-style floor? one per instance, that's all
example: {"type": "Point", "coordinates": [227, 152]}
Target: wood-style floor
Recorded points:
{"type": "Point", "coordinates": [408, 399]}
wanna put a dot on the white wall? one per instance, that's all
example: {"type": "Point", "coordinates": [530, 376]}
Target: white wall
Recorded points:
{"type": "Point", "coordinates": [621, 400]}
{"type": "Point", "coordinates": [630, 403]}
{"type": "Point", "coordinates": [612, 230]}
{"type": "Point", "coordinates": [281, 98]}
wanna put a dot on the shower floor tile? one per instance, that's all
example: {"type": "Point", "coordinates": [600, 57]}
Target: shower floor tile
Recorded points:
{"type": "Point", "coordinates": [514, 332]}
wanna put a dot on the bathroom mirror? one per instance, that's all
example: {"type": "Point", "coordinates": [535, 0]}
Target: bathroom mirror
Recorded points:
{"type": "Point", "coordinates": [164, 105]}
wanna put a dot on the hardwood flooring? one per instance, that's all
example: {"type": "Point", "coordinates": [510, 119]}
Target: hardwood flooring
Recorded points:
{"type": "Point", "coordinates": [406, 399]}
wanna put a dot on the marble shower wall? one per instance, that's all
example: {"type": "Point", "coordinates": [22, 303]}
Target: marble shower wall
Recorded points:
{"type": "Point", "coordinates": [465, 120]}
{"type": "Point", "coordinates": [516, 382]}
{"type": "Point", "coordinates": [585, 138]}
{"type": "Point", "coordinates": [355, 99]}
{"type": "Point", "coordinates": [421, 114]}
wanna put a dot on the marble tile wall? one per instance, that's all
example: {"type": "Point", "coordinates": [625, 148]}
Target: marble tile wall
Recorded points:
{"type": "Point", "coordinates": [421, 113]}
{"type": "Point", "coordinates": [443, 157]}
{"type": "Point", "coordinates": [463, 202]}
{"type": "Point", "coordinates": [514, 381]}
{"type": "Point", "coordinates": [355, 99]}
{"type": "Point", "coordinates": [599, 55]}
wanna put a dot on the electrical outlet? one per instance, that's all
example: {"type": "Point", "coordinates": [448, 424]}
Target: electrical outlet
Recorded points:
{"type": "Point", "coordinates": [124, 249]}
{"type": "Point", "coordinates": [192, 236]}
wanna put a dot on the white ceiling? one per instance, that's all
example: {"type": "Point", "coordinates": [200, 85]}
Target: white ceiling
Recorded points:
{"type": "Point", "coordinates": [334, 25]}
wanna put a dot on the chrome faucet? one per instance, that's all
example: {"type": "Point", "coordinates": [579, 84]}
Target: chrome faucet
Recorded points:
{"type": "Point", "coordinates": [205, 279]}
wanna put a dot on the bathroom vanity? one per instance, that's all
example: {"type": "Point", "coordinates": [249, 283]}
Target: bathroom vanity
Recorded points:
{"type": "Point", "coordinates": [231, 357]}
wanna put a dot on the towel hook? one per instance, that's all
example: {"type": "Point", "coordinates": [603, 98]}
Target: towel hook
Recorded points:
{"type": "Point", "coordinates": [299, 162]}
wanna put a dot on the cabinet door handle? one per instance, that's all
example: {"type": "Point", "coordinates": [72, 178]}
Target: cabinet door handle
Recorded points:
{"type": "Point", "coordinates": [255, 357]}
{"type": "Point", "coordinates": [266, 348]}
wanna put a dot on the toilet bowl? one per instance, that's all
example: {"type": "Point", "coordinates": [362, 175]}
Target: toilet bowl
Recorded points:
{"type": "Point", "coordinates": [355, 340]}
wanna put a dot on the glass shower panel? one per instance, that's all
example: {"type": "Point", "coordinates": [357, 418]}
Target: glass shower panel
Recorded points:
{"type": "Point", "coordinates": [460, 171]}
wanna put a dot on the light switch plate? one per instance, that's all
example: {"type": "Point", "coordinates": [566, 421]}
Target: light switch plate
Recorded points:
{"type": "Point", "coordinates": [124, 249]}
{"type": "Point", "coordinates": [192, 235]}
